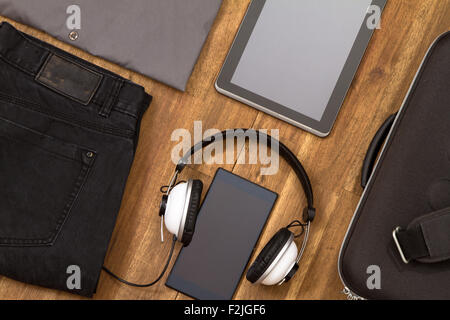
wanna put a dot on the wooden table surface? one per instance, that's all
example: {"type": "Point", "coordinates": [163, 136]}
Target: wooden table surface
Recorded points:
{"type": "Point", "coordinates": [394, 54]}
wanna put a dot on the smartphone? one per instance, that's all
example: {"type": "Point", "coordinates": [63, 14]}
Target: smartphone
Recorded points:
{"type": "Point", "coordinates": [229, 224]}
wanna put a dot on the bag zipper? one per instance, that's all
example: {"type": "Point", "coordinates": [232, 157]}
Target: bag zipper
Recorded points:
{"type": "Point", "coordinates": [350, 295]}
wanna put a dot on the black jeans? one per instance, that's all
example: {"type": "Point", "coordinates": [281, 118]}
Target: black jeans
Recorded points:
{"type": "Point", "coordinates": [68, 133]}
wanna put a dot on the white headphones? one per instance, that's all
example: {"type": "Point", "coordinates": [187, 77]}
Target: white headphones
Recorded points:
{"type": "Point", "coordinates": [278, 261]}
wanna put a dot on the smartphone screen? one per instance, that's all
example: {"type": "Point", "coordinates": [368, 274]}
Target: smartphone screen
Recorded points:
{"type": "Point", "coordinates": [229, 224]}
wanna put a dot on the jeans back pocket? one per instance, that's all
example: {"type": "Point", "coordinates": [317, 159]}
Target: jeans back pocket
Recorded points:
{"type": "Point", "coordinates": [40, 179]}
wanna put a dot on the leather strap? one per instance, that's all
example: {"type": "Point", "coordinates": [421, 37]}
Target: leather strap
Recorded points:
{"type": "Point", "coordinates": [427, 238]}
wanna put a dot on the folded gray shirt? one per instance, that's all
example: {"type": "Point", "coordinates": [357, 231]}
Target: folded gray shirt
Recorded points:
{"type": "Point", "coordinates": [161, 39]}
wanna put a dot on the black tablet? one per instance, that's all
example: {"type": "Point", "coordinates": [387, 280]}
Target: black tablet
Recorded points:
{"type": "Point", "coordinates": [296, 59]}
{"type": "Point", "coordinates": [229, 223]}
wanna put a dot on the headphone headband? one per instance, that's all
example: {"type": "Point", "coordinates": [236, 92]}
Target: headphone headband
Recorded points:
{"type": "Point", "coordinates": [284, 151]}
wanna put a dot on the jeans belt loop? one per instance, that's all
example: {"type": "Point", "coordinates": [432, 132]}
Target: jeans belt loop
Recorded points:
{"type": "Point", "coordinates": [111, 99]}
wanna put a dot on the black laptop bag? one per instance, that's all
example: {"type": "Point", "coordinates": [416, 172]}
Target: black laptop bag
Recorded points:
{"type": "Point", "coordinates": [398, 243]}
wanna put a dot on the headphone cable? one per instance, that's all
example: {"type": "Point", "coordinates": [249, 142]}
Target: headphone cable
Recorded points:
{"type": "Point", "coordinates": [148, 284]}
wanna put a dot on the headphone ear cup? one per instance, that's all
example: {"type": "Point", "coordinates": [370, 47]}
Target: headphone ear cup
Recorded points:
{"type": "Point", "coordinates": [174, 208]}
{"type": "Point", "coordinates": [192, 212]}
{"type": "Point", "coordinates": [264, 269]}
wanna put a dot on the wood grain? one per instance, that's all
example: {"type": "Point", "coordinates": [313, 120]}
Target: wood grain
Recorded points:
{"type": "Point", "coordinates": [389, 65]}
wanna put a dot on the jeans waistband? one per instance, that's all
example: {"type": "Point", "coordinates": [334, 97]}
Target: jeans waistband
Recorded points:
{"type": "Point", "coordinates": [91, 84]}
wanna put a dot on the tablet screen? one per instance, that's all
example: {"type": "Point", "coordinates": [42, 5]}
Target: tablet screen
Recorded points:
{"type": "Point", "coordinates": [297, 51]}
{"type": "Point", "coordinates": [229, 223]}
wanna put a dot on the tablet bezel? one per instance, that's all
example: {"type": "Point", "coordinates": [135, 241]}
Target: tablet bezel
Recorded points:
{"type": "Point", "coordinates": [320, 128]}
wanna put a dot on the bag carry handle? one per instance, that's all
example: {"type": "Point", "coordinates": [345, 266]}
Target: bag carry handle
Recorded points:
{"type": "Point", "coordinates": [374, 149]}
